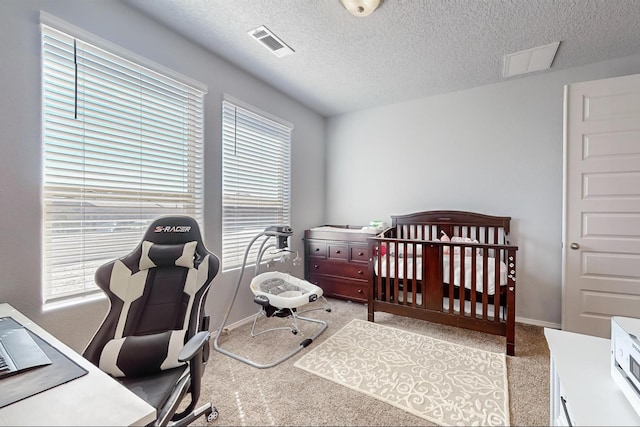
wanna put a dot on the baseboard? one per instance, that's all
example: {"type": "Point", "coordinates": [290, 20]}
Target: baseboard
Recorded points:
{"type": "Point", "coordinates": [239, 323]}
{"type": "Point", "coordinates": [536, 322]}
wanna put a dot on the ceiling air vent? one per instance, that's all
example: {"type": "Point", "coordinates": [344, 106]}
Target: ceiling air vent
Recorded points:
{"type": "Point", "coordinates": [530, 60]}
{"type": "Point", "coordinates": [270, 41]}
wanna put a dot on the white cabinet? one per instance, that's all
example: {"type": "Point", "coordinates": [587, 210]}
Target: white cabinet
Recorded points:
{"type": "Point", "coordinates": [582, 390]}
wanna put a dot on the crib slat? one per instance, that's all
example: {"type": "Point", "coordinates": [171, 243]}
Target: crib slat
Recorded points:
{"type": "Point", "coordinates": [452, 286]}
{"type": "Point", "coordinates": [384, 291]}
{"type": "Point", "coordinates": [396, 281]}
{"type": "Point", "coordinates": [485, 285]}
{"type": "Point", "coordinates": [404, 273]}
{"type": "Point", "coordinates": [496, 281]}
{"type": "Point", "coordinates": [378, 291]}
{"type": "Point", "coordinates": [415, 283]}
{"type": "Point", "coordinates": [462, 278]}
{"type": "Point", "coordinates": [474, 277]}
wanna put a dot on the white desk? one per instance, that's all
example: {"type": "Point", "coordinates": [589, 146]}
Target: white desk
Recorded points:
{"type": "Point", "coordinates": [93, 399]}
{"type": "Point", "coordinates": [581, 374]}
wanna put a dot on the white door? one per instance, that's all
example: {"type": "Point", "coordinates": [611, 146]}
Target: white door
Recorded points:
{"type": "Point", "coordinates": [601, 241]}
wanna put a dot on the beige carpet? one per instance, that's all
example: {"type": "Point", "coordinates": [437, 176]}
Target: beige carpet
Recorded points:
{"type": "Point", "coordinates": [446, 383]}
{"type": "Point", "coordinates": [288, 396]}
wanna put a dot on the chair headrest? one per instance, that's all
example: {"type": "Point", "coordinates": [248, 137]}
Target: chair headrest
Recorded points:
{"type": "Point", "coordinates": [170, 241]}
{"type": "Point", "coordinates": [173, 230]}
{"type": "Point", "coordinates": [160, 255]}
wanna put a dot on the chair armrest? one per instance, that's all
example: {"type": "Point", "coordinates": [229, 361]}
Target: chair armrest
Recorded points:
{"type": "Point", "coordinates": [193, 346]}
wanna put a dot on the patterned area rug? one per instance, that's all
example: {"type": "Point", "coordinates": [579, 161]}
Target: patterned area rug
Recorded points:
{"type": "Point", "coordinates": [445, 383]}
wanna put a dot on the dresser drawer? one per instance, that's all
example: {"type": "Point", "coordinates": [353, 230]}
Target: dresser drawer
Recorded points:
{"type": "Point", "coordinates": [315, 249]}
{"type": "Point", "coordinates": [358, 254]}
{"type": "Point", "coordinates": [338, 252]}
{"type": "Point", "coordinates": [342, 288]}
{"type": "Point", "coordinates": [338, 268]}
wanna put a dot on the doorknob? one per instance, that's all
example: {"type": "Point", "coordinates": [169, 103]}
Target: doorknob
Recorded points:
{"type": "Point", "coordinates": [574, 246]}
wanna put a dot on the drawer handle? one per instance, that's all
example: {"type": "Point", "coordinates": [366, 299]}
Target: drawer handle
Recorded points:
{"type": "Point", "coordinates": [359, 291]}
{"type": "Point", "coordinates": [338, 251]}
{"type": "Point", "coordinates": [317, 249]}
{"type": "Point", "coordinates": [360, 253]}
{"type": "Point", "coordinates": [360, 271]}
{"type": "Point", "coordinates": [315, 265]}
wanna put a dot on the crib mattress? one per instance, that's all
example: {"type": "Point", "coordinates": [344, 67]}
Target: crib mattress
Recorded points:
{"type": "Point", "coordinates": [409, 261]}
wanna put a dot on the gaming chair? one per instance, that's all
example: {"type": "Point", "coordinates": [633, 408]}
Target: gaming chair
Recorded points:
{"type": "Point", "coordinates": [155, 338]}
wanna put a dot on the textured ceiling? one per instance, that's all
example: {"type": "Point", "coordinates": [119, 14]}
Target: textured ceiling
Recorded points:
{"type": "Point", "coordinates": [404, 50]}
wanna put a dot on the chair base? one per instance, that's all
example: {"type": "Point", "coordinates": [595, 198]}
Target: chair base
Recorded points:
{"type": "Point", "coordinates": [207, 410]}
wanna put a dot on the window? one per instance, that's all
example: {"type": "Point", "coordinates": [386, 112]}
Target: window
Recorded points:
{"type": "Point", "coordinates": [255, 178]}
{"type": "Point", "coordinates": [122, 145]}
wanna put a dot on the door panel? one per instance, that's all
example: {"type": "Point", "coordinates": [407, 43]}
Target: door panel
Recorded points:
{"type": "Point", "coordinates": [601, 242]}
{"type": "Point", "coordinates": [611, 225]}
{"type": "Point", "coordinates": [607, 265]}
{"type": "Point", "coordinates": [609, 144]}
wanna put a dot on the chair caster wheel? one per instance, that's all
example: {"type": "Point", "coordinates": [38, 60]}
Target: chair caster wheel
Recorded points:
{"type": "Point", "coordinates": [212, 415]}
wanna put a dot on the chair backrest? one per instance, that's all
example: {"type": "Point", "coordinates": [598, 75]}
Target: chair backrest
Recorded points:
{"type": "Point", "coordinates": [157, 294]}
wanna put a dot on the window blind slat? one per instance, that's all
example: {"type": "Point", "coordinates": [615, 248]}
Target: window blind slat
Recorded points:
{"type": "Point", "coordinates": [122, 148]}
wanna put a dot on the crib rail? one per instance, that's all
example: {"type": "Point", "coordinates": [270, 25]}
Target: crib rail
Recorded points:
{"type": "Point", "coordinates": [462, 284]}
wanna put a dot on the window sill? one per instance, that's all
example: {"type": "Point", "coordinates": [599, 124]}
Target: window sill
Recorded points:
{"type": "Point", "coordinates": [73, 301]}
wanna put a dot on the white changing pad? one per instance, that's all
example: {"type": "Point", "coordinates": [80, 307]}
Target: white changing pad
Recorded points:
{"type": "Point", "coordinates": [369, 230]}
{"type": "Point", "coordinates": [284, 290]}
{"type": "Point", "coordinates": [445, 273]}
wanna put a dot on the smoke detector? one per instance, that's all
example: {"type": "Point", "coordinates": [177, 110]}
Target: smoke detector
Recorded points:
{"type": "Point", "coordinates": [270, 41]}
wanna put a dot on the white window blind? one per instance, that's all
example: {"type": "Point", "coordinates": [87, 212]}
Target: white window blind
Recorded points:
{"type": "Point", "coordinates": [122, 145]}
{"type": "Point", "coordinates": [255, 178]}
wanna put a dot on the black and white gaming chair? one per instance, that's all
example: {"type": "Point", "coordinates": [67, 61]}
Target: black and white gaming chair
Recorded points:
{"type": "Point", "coordinates": [154, 339]}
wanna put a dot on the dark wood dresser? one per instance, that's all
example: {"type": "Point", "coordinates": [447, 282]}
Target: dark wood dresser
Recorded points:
{"type": "Point", "coordinates": [336, 259]}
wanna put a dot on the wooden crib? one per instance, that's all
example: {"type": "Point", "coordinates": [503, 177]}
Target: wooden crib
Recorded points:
{"type": "Point", "coordinates": [468, 282]}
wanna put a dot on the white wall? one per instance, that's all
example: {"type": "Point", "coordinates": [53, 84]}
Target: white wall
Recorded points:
{"type": "Point", "coordinates": [20, 144]}
{"type": "Point", "coordinates": [496, 149]}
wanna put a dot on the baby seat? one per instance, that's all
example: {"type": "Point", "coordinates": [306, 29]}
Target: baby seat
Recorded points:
{"type": "Point", "coordinates": [281, 294]}
{"type": "Point", "coordinates": [278, 294]}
